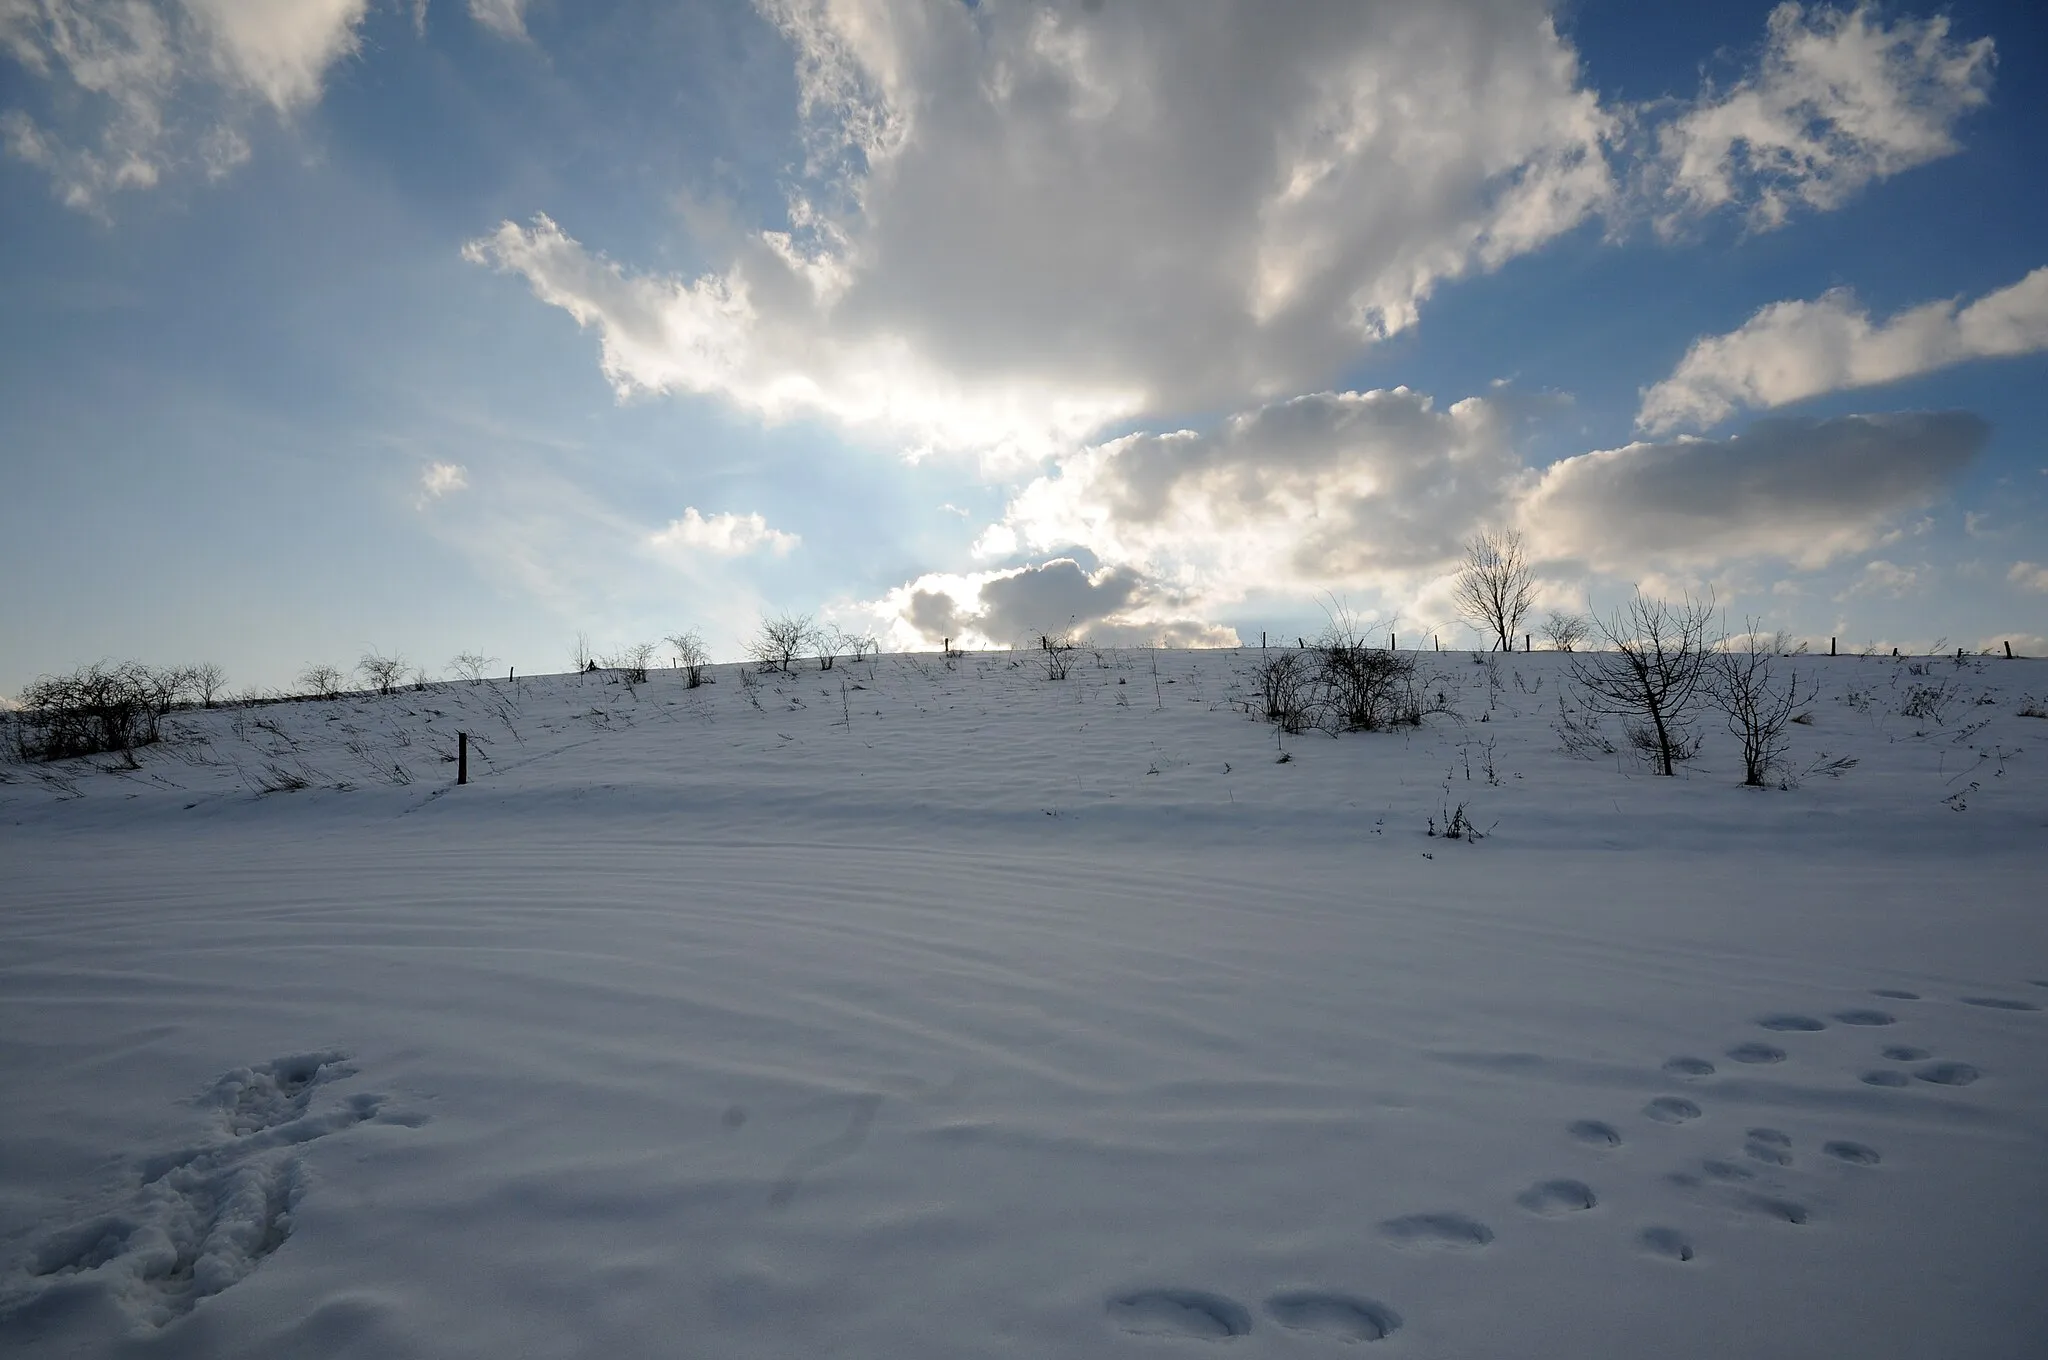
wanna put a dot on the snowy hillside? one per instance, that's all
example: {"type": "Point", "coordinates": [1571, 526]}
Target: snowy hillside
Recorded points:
{"type": "Point", "coordinates": [928, 1008]}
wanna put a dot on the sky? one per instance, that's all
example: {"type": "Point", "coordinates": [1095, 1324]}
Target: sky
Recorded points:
{"type": "Point", "coordinates": [427, 327]}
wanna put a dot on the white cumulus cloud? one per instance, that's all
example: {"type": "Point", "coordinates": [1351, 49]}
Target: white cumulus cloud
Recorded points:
{"type": "Point", "coordinates": [1792, 350]}
{"type": "Point", "coordinates": [1839, 99]}
{"type": "Point", "coordinates": [723, 535]}
{"type": "Point", "coordinates": [1019, 223]}
{"type": "Point", "coordinates": [2029, 576]}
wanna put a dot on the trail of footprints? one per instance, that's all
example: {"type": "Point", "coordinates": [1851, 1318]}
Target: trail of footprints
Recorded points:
{"type": "Point", "coordinates": [204, 1216]}
{"type": "Point", "coordinates": [1745, 1185]}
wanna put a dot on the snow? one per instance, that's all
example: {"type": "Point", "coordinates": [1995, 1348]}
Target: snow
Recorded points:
{"type": "Point", "coordinates": [916, 1009]}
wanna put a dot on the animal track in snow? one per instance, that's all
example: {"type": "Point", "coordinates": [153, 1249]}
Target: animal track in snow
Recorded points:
{"type": "Point", "coordinates": [1180, 1312]}
{"type": "Point", "coordinates": [1668, 1243]}
{"type": "Point", "coordinates": [1757, 1053]}
{"type": "Point", "coordinates": [1998, 1003]}
{"type": "Point", "coordinates": [203, 1218]}
{"type": "Point", "coordinates": [1948, 1073]}
{"type": "Point", "coordinates": [1886, 1076]}
{"type": "Point", "coordinates": [1770, 1206]}
{"type": "Point", "coordinates": [1906, 1053]}
{"type": "Point", "coordinates": [1866, 1017]}
{"type": "Point", "coordinates": [1554, 1198]}
{"type": "Point", "coordinates": [1689, 1067]}
{"type": "Point", "coordinates": [1770, 1146]}
{"type": "Point", "coordinates": [1594, 1132]}
{"type": "Point", "coordinates": [1726, 1171]}
{"type": "Point", "coordinates": [1855, 1154]}
{"type": "Point", "coordinates": [1792, 1024]}
{"type": "Point", "coordinates": [1672, 1110]}
{"type": "Point", "coordinates": [1894, 994]}
{"type": "Point", "coordinates": [1340, 1315]}
{"type": "Point", "coordinates": [1450, 1232]}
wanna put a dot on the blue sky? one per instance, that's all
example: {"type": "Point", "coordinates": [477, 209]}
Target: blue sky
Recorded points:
{"type": "Point", "coordinates": [449, 327]}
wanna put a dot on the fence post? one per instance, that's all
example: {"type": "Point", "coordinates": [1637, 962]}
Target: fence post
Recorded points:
{"type": "Point", "coordinates": [1528, 643]}
{"type": "Point", "coordinates": [1831, 646]}
{"type": "Point", "coordinates": [1392, 644]}
{"type": "Point", "coordinates": [462, 757]}
{"type": "Point", "coordinates": [2008, 649]}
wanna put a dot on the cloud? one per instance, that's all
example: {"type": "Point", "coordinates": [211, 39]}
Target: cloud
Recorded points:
{"type": "Point", "coordinates": [1020, 223]}
{"type": "Point", "coordinates": [1806, 491]}
{"type": "Point", "coordinates": [2029, 576]}
{"type": "Point", "coordinates": [1839, 99]}
{"type": "Point", "coordinates": [723, 535]}
{"type": "Point", "coordinates": [1315, 492]}
{"type": "Point", "coordinates": [1113, 606]}
{"type": "Point", "coordinates": [506, 18]}
{"type": "Point", "coordinates": [1887, 578]}
{"type": "Point", "coordinates": [439, 479]}
{"type": "Point", "coordinates": [1792, 350]}
{"type": "Point", "coordinates": [144, 88]}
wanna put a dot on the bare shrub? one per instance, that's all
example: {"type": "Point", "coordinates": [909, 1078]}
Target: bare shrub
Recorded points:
{"type": "Point", "coordinates": [1580, 737]}
{"type": "Point", "coordinates": [102, 707]}
{"type": "Point", "coordinates": [1564, 630]}
{"type": "Point", "coordinates": [1366, 688]}
{"type": "Point", "coordinates": [581, 657]}
{"type": "Point", "coordinates": [1651, 680]}
{"type": "Point", "coordinates": [321, 680]}
{"type": "Point", "coordinates": [384, 673]}
{"type": "Point", "coordinates": [1058, 652]}
{"type": "Point", "coordinates": [1495, 587]}
{"type": "Point", "coordinates": [1929, 703]}
{"type": "Point", "coordinates": [1759, 698]}
{"type": "Point", "coordinates": [857, 644]}
{"type": "Point", "coordinates": [781, 640]}
{"type": "Point", "coordinates": [1289, 691]}
{"type": "Point", "coordinates": [470, 666]}
{"type": "Point", "coordinates": [631, 662]}
{"type": "Point", "coordinates": [691, 656]}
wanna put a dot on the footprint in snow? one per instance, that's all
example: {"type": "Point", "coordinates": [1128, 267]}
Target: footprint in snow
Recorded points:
{"type": "Point", "coordinates": [1887, 1076]}
{"type": "Point", "coordinates": [1444, 1232]}
{"type": "Point", "coordinates": [1344, 1316]}
{"type": "Point", "coordinates": [1894, 994]}
{"type": "Point", "coordinates": [1672, 1110]}
{"type": "Point", "coordinates": [1690, 1068]}
{"type": "Point", "coordinates": [1666, 1243]}
{"type": "Point", "coordinates": [1906, 1053]}
{"type": "Point", "coordinates": [1948, 1073]}
{"type": "Point", "coordinates": [1854, 1154]}
{"type": "Point", "coordinates": [1792, 1024]}
{"type": "Point", "coordinates": [1866, 1017]}
{"type": "Point", "coordinates": [1757, 1053]}
{"type": "Point", "coordinates": [1552, 1199]}
{"type": "Point", "coordinates": [1999, 1003]}
{"type": "Point", "coordinates": [1770, 1146]}
{"type": "Point", "coordinates": [1180, 1312]}
{"type": "Point", "coordinates": [1595, 1133]}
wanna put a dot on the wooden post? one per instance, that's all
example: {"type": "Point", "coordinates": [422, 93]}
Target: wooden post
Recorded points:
{"type": "Point", "coordinates": [2008, 649]}
{"type": "Point", "coordinates": [1262, 640]}
{"type": "Point", "coordinates": [1831, 646]}
{"type": "Point", "coordinates": [1392, 645]}
{"type": "Point", "coordinates": [462, 757]}
{"type": "Point", "coordinates": [1528, 643]}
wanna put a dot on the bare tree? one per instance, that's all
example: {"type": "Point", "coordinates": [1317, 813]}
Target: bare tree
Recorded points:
{"type": "Point", "coordinates": [1651, 680]}
{"type": "Point", "coordinates": [1564, 630]}
{"type": "Point", "coordinates": [691, 657]}
{"type": "Point", "coordinates": [1758, 700]}
{"type": "Point", "coordinates": [781, 640]}
{"type": "Point", "coordinates": [321, 680]}
{"type": "Point", "coordinates": [384, 673]}
{"type": "Point", "coordinates": [164, 685]}
{"type": "Point", "coordinates": [856, 644]}
{"type": "Point", "coordinates": [1495, 587]}
{"type": "Point", "coordinates": [470, 666]}
{"type": "Point", "coordinates": [207, 680]}
{"type": "Point", "coordinates": [584, 661]}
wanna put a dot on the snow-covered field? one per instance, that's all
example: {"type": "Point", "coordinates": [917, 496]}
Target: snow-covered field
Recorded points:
{"type": "Point", "coordinates": [916, 1009]}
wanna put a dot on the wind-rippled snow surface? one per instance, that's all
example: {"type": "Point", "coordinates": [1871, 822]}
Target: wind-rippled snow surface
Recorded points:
{"type": "Point", "coordinates": [918, 1010]}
